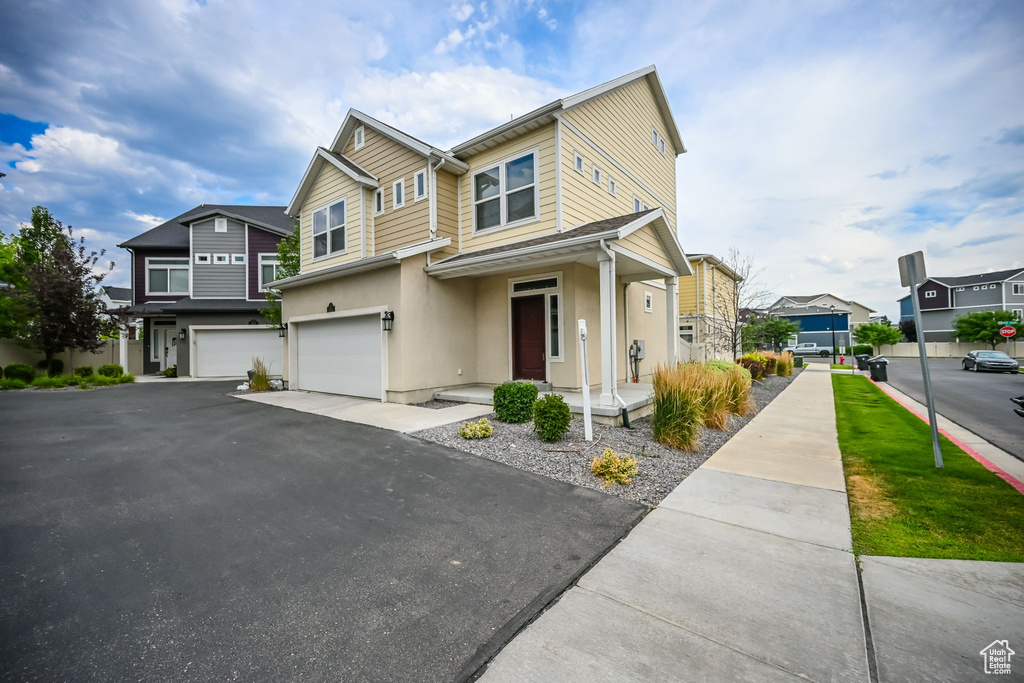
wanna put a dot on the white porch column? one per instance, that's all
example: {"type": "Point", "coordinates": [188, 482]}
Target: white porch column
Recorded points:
{"type": "Point", "coordinates": [607, 287]}
{"type": "Point", "coordinates": [672, 317]}
{"type": "Point", "coordinates": [122, 348]}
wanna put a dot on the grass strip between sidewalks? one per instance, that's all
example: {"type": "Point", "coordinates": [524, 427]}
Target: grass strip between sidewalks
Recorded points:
{"type": "Point", "coordinates": [900, 503]}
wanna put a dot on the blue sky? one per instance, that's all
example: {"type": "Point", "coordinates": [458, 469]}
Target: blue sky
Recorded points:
{"type": "Point", "coordinates": [825, 138]}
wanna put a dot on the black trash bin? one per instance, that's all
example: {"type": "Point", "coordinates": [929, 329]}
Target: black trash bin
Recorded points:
{"type": "Point", "coordinates": [862, 361]}
{"type": "Point", "coordinates": [798, 361]}
{"type": "Point", "coordinates": [879, 372]}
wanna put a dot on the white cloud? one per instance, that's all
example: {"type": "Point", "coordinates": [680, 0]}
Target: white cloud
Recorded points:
{"type": "Point", "coordinates": [550, 22]}
{"type": "Point", "coordinates": [453, 40]}
{"type": "Point", "coordinates": [146, 219]}
{"type": "Point", "coordinates": [462, 12]}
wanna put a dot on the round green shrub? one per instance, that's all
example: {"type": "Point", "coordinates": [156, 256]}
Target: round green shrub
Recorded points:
{"type": "Point", "coordinates": [56, 366]}
{"type": "Point", "coordinates": [551, 417]}
{"type": "Point", "coordinates": [513, 401]}
{"type": "Point", "coordinates": [83, 371]}
{"type": "Point", "coordinates": [720, 365]}
{"type": "Point", "coordinates": [110, 370]}
{"type": "Point", "coordinates": [480, 429]}
{"type": "Point", "coordinates": [863, 348]}
{"type": "Point", "coordinates": [21, 371]}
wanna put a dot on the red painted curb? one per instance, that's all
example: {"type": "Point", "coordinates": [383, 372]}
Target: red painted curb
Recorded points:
{"type": "Point", "coordinates": [988, 464]}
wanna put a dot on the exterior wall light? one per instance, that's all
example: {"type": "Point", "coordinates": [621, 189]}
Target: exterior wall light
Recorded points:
{"type": "Point", "coordinates": [282, 330]}
{"type": "Point", "coordinates": [387, 319]}
{"type": "Point", "coordinates": [330, 307]}
{"type": "Point", "coordinates": [182, 333]}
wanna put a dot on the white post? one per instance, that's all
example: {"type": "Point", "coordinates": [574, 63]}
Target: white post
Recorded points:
{"type": "Point", "coordinates": [672, 317]}
{"type": "Point", "coordinates": [607, 270]}
{"type": "Point", "coordinates": [122, 348]}
{"type": "Point", "coordinates": [588, 428]}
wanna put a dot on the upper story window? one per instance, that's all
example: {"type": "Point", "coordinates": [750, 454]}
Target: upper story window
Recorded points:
{"type": "Point", "coordinates": [930, 294]}
{"type": "Point", "coordinates": [506, 194]}
{"type": "Point", "coordinates": [398, 193]}
{"type": "Point", "coordinates": [268, 269]}
{"type": "Point", "coordinates": [657, 140]}
{"type": "Point", "coordinates": [378, 202]}
{"type": "Point", "coordinates": [329, 229]}
{"type": "Point", "coordinates": [167, 276]}
{"type": "Point", "coordinates": [577, 162]}
{"type": "Point", "coordinates": [419, 185]}
{"type": "Point", "coordinates": [612, 186]}
{"type": "Point", "coordinates": [221, 259]}
{"type": "Point", "coordinates": [202, 259]}
{"type": "Point", "coordinates": [596, 175]}
{"type": "Point", "coordinates": [1018, 287]}
{"type": "Point", "coordinates": [220, 224]}
{"type": "Point", "coordinates": [359, 137]}
{"type": "Point", "coordinates": [638, 205]}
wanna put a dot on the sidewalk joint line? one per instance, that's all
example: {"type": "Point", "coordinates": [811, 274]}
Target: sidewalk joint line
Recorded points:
{"type": "Point", "coordinates": [881, 560]}
{"type": "Point", "coordinates": [761, 531]}
{"type": "Point", "coordinates": [869, 643]}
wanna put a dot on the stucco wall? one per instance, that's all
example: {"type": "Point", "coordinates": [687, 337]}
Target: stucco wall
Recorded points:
{"type": "Point", "coordinates": [12, 352]}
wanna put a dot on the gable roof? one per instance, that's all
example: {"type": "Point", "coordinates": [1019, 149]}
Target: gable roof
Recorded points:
{"type": "Point", "coordinates": [797, 311]}
{"type": "Point", "coordinates": [117, 293]}
{"type": "Point", "coordinates": [354, 118]}
{"type": "Point", "coordinates": [979, 279]}
{"type": "Point", "coordinates": [717, 263]}
{"type": "Point", "coordinates": [173, 234]}
{"type": "Point", "coordinates": [321, 157]}
{"type": "Point", "coordinates": [547, 113]}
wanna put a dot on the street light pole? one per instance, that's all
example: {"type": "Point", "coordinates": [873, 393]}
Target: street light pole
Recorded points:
{"type": "Point", "coordinates": [832, 311]}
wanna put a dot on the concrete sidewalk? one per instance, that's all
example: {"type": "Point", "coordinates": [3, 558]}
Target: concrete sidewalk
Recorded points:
{"type": "Point", "coordinates": [393, 416]}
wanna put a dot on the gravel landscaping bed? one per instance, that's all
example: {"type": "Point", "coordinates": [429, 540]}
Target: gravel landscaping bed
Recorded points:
{"type": "Point", "coordinates": [661, 467]}
{"type": "Point", "coordinates": [435, 404]}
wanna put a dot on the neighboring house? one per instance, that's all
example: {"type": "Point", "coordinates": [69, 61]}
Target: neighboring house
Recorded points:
{"type": "Point", "coordinates": [115, 298]}
{"type": "Point", "coordinates": [198, 283]}
{"type": "Point", "coordinates": [815, 317]}
{"type": "Point", "coordinates": [481, 259]}
{"type": "Point", "coordinates": [707, 309]}
{"type": "Point", "coordinates": [944, 298]}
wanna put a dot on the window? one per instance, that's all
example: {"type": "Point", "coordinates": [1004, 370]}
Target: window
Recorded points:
{"type": "Point", "coordinates": [360, 137]}
{"type": "Point", "coordinates": [661, 145]}
{"type": "Point", "coordinates": [398, 193]}
{"type": "Point", "coordinates": [556, 352]}
{"type": "Point", "coordinates": [268, 269]}
{"type": "Point", "coordinates": [220, 224]}
{"type": "Point", "coordinates": [167, 276]}
{"type": "Point", "coordinates": [686, 333]}
{"type": "Point", "coordinates": [577, 161]}
{"type": "Point", "coordinates": [959, 289]}
{"type": "Point", "coordinates": [238, 259]}
{"type": "Point", "coordinates": [220, 258]}
{"type": "Point", "coordinates": [202, 258]}
{"type": "Point", "coordinates": [612, 186]}
{"type": "Point", "coordinates": [378, 202]}
{"type": "Point", "coordinates": [1018, 314]}
{"type": "Point", "coordinates": [975, 288]}
{"type": "Point", "coordinates": [1018, 287]}
{"type": "Point", "coordinates": [638, 205]}
{"type": "Point", "coordinates": [506, 194]}
{"type": "Point", "coordinates": [548, 283]}
{"type": "Point", "coordinates": [648, 302]}
{"type": "Point", "coordinates": [654, 136]}
{"type": "Point", "coordinates": [657, 141]}
{"type": "Point", "coordinates": [329, 229]}
{"type": "Point", "coordinates": [931, 294]}
{"type": "Point", "coordinates": [596, 175]}
{"type": "Point", "coordinates": [419, 185]}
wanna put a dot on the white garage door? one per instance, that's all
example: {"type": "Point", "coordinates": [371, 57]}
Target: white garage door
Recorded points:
{"type": "Point", "coordinates": [340, 356]}
{"type": "Point", "coordinates": [229, 353]}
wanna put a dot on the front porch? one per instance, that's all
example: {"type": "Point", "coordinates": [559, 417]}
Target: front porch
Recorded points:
{"type": "Point", "coordinates": [638, 398]}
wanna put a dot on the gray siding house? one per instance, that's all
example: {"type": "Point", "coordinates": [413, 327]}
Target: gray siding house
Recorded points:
{"type": "Point", "coordinates": [198, 285]}
{"type": "Point", "coordinates": [945, 298]}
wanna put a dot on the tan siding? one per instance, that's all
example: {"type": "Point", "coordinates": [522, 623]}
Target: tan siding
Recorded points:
{"type": "Point", "coordinates": [330, 186]}
{"type": "Point", "coordinates": [645, 243]}
{"type": "Point", "coordinates": [447, 212]}
{"type": "Point", "coordinates": [720, 294]}
{"type": "Point", "coordinates": [688, 289]}
{"type": "Point", "coordinates": [620, 124]}
{"type": "Point", "coordinates": [544, 139]}
{"type": "Point", "coordinates": [390, 161]}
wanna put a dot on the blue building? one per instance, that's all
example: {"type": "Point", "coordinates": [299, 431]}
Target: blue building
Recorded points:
{"type": "Point", "coordinates": [816, 325]}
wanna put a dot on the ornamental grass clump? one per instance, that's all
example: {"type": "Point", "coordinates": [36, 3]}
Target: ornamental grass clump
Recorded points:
{"type": "Point", "coordinates": [614, 468]}
{"type": "Point", "coordinates": [481, 429]}
{"type": "Point", "coordinates": [551, 417]}
{"type": "Point", "coordinates": [678, 404]}
{"type": "Point", "coordinates": [771, 360]}
{"type": "Point", "coordinates": [784, 364]}
{"type": "Point", "coordinates": [260, 380]}
{"type": "Point", "coordinates": [110, 370]}
{"type": "Point", "coordinates": [513, 401]}
{"type": "Point", "coordinates": [737, 381]}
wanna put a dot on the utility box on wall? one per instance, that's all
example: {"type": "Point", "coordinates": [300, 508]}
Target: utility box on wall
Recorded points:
{"type": "Point", "coordinates": [640, 349]}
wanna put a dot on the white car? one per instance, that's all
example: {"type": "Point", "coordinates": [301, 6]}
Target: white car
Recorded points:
{"type": "Point", "coordinates": [810, 349]}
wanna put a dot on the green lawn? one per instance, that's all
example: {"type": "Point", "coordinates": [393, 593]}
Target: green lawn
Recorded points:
{"type": "Point", "coordinates": [837, 366]}
{"type": "Point", "coordinates": [901, 504]}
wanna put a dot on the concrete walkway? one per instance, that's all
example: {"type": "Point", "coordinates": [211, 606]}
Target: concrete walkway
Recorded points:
{"type": "Point", "coordinates": [745, 573]}
{"type": "Point", "coordinates": [392, 416]}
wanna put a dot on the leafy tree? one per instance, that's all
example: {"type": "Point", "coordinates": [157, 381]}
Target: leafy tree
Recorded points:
{"type": "Point", "coordinates": [773, 330]}
{"type": "Point", "coordinates": [57, 290]}
{"type": "Point", "coordinates": [983, 327]}
{"type": "Point", "coordinates": [289, 260]}
{"type": "Point", "coordinates": [876, 334]}
{"type": "Point", "coordinates": [909, 330]}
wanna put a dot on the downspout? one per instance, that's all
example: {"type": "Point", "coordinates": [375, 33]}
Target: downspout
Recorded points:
{"type": "Point", "coordinates": [700, 321]}
{"type": "Point", "coordinates": [625, 318]}
{"type": "Point", "coordinates": [433, 202]}
{"type": "Point", "coordinates": [615, 380]}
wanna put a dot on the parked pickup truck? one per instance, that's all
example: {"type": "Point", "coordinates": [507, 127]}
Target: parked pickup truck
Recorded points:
{"type": "Point", "coordinates": [810, 349]}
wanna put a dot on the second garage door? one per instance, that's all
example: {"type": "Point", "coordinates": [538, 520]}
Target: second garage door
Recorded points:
{"type": "Point", "coordinates": [340, 356]}
{"type": "Point", "coordinates": [229, 353]}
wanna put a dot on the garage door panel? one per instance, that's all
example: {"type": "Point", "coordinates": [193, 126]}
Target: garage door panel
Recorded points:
{"type": "Point", "coordinates": [340, 356]}
{"type": "Point", "coordinates": [229, 353]}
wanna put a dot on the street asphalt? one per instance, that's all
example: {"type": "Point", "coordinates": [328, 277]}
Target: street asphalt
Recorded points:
{"type": "Point", "coordinates": [978, 401]}
{"type": "Point", "coordinates": [168, 532]}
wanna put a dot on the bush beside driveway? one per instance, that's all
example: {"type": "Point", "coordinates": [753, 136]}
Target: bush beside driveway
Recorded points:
{"type": "Point", "coordinates": [170, 532]}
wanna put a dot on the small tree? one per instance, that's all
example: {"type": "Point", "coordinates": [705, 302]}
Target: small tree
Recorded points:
{"type": "Point", "coordinates": [982, 327]}
{"type": "Point", "coordinates": [909, 330]}
{"type": "Point", "coordinates": [746, 291]}
{"type": "Point", "coordinates": [774, 330]}
{"type": "Point", "coordinates": [876, 334]}
{"type": "Point", "coordinates": [58, 291]}
{"type": "Point", "coordinates": [289, 260]}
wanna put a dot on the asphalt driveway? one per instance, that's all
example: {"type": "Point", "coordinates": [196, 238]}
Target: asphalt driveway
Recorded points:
{"type": "Point", "coordinates": [978, 401]}
{"type": "Point", "coordinates": [170, 532]}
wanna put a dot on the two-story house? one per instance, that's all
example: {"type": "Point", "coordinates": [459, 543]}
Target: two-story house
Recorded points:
{"type": "Point", "coordinates": [198, 283]}
{"type": "Point", "coordinates": [943, 299]}
{"type": "Point", "coordinates": [709, 324]}
{"type": "Point", "coordinates": [425, 269]}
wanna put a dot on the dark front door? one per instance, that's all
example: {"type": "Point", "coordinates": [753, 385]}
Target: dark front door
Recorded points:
{"type": "Point", "coordinates": [528, 338]}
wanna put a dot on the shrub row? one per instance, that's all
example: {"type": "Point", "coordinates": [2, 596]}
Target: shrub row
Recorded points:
{"type": "Point", "coordinates": [517, 402]}
{"type": "Point", "coordinates": [26, 373]}
{"type": "Point", "coordinates": [61, 381]}
{"type": "Point", "coordinates": [688, 396]}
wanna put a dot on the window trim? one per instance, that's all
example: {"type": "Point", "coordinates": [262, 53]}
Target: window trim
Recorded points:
{"type": "Point", "coordinates": [238, 259]}
{"type": "Point", "coordinates": [546, 292]}
{"type": "Point", "coordinates": [187, 265]}
{"type": "Point", "coordinates": [221, 259]}
{"type": "Point", "coordinates": [1017, 289]}
{"type": "Point", "coordinates": [648, 302]}
{"type": "Point", "coordinates": [378, 194]}
{"type": "Point", "coordinates": [327, 230]}
{"type": "Point", "coordinates": [203, 259]}
{"type": "Point", "coordinates": [639, 205]}
{"type": "Point", "coordinates": [595, 174]}
{"type": "Point", "coordinates": [503, 192]}
{"type": "Point", "coordinates": [579, 162]}
{"type": "Point", "coordinates": [1018, 313]}
{"type": "Point", "coordinates": [930, 294]}
{"type": "Point", "coordinates": [415, 186]}
{"type": "Point", "coordinates": [220, 224]}
{"type": "Point", "coordinates": [358, 137]}
{"type": "Point", "coordinates": [395, 205]}
{"type": "Point", "coordinates": [259, 270]}
{"type": "Point", "coordinates": [612, 186]}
